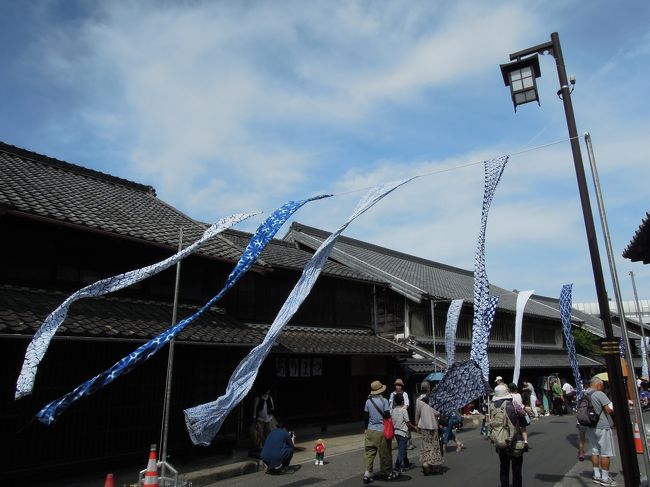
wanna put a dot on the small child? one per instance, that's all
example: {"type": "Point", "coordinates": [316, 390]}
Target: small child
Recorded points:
{"type": "Point", "coordinates": [319, 449]}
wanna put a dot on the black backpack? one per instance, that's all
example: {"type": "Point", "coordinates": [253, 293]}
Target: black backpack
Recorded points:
{"type": "Point", "coordinates": [585, 412]}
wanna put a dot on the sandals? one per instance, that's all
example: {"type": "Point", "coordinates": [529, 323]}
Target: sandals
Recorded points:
{"type": "Point", "coordinates": [367, 480]}
{"type": "Point", "coordinates": [393, 475]}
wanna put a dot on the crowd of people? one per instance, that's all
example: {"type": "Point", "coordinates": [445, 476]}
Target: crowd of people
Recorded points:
{"type": "Point", "coordinates": [507, 414]}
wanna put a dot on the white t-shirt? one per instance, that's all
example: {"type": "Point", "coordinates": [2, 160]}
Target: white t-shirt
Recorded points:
{"type": "Point", "coordinates": [404, 395]}
{"type": "Point", "coordinates": [567, 388]}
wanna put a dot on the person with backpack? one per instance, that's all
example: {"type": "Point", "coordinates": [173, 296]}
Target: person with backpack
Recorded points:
{"type": "Point", "coordinates": [505, 433]}
{"type": "Point", "coordinates": [594, 411]}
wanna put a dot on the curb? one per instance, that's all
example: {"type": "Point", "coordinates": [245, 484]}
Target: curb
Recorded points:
{"type": "Point", "coordinates": [221, 472]}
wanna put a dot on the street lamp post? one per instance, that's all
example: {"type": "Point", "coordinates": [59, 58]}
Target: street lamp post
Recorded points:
{"type": "Point", "coordinates": [518, 83]}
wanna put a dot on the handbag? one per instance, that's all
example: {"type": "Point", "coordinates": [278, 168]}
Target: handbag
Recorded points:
{"type": "Point", "coordinates": [389, 428]}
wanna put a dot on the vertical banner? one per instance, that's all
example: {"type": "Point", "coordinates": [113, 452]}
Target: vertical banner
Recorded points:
{"type": "Point", "coordinates": [565, 313]}
{"type": "Point", "coordinates": [204, 421]}
{"type": "Point", "coordinates": [522, 299]}
{"type": "Point", "coordinates": [265, 232]}
{"type": "Point", "coordinates": [453, 313]}
{"type": "Point", "coordinates": [484, 304]}
{"type": "Point", "coordinates": [644, 360]}
{"type": "Point", "coordinates": [41, 341]}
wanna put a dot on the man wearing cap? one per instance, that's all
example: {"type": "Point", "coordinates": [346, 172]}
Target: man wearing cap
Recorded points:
{"type": "Point", "coordinates": [499, 380]}
{"type": "Point", "coordinates": [374, 412]}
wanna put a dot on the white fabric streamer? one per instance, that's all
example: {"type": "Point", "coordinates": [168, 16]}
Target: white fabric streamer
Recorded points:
{"type": "Point", "coordinates": [204, 421]}
{"type": "Point", "coordinates": [453, 313]}
{"type": "Point", "coordinates": [41, 341]}
{"type": "Point", "coordinates": [522, 299]}
{"type": "Point", "coordinates": [644, 360]}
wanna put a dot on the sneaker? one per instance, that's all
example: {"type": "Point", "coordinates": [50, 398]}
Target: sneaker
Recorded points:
{"type": "Point", "coordinates": [596, 480]}
{"type": "Point", "coordinates": [315, 462]}
{"type": "Point", "coordinates": [394, 475]}
{"type": "Point", "coordinates": [367, 480]}
{"type": "Point", "coordinates": [610, 482]}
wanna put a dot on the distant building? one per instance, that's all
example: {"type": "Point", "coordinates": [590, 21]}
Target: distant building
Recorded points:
{"type": "Point", "coordinates": [629, 308]}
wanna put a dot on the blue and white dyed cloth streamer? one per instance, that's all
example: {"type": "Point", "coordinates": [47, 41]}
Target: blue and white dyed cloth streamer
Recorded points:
{"type": "Point", "coordinates": [453, 313]}
{"type": "Point", "coordinates": [484, 304]}
{"type": "Point", "coordinates": [565, 314]}
{"type": "Point", "coordinates": [522, 299]}
{"type": "Point", "coordinates": [204, 421]}
{"type": "Point", "coordinates": [257, 244]}
{"type": "Point", "coordinates": [41, 341]}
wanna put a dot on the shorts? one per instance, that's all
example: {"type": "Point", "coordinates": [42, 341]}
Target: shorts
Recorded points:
{"type": "Point", "coordinates": [601, 441]}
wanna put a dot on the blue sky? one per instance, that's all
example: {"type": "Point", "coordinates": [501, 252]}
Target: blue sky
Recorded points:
{"type": "Point", "coordinates": [235, 106]}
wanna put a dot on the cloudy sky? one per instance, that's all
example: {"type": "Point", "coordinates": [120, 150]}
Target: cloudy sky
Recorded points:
{"type": "Point", "coordinates": [241, 105]}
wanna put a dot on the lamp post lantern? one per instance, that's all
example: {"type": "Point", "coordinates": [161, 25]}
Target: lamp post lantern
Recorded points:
{"type": "Point", "coordinates": [527, 58]}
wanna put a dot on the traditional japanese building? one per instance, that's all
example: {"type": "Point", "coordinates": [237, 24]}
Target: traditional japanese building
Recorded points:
{"type": "Point", "coordinates": [64, 227]}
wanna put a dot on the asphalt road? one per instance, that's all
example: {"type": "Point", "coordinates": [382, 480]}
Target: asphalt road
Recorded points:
{"type": "Point", "coordinates": [553, 453]}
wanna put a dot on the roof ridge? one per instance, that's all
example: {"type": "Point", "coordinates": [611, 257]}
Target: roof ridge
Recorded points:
{"type": "Point", "coordinates": [370, 246]}
{"type": "Point", "coordinates": [75, 168]}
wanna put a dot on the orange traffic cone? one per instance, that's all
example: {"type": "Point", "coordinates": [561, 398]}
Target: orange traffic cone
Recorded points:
{"type": "Point", "coordinates": [151, 474]}
{"type": "Point", "coordinates": [637, 439]}
{"type": "Point", "coordinates": [109, 481]}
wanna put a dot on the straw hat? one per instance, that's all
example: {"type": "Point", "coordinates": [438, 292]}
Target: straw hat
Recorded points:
{"type": "Point", "coordinates": [376, 388]}
{"type": "Point", "coordinates": [399, 382]}
{"type": "Point", "coordinates": [501, 392]}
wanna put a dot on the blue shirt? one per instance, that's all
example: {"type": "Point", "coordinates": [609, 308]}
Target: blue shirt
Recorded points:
{"type": "Point", "coordinates": [277, 448]}
{"type": "Point", "coordinates": [376, 420]}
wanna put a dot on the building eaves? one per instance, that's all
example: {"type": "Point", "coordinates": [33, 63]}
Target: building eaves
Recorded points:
{"type": "Point", "coordinates": [639, 247]}
{"type": "Point", "coordinates": [22, 311]}
{"type": "Point", "coordinates": [38, 187]}
{"type": "Point", "coordinates": [412, 276]}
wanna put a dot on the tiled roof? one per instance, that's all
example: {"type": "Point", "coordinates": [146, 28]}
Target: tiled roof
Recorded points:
{"type": "Point", "coordinates": [507, 361]}
{"type": "Point", "coordinates": [281, 254]}
{"type": "Point", "coordinates": [52, 189]}
{"type": "Point", "coordinates": [412, 276]}
{"type": "Point", "coordinates": [639, 247]}
{"type": "Point", "coordinates": [22, 311]}
{"type": "Point", "coordinates": [589, 322]}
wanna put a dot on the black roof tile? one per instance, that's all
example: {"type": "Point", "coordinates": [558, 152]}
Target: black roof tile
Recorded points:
{"type": "Point", "coordinates": [415, 277]}
{"type": "Point", "coordinates": [39, 185]}
{"type": "Point", "coordinates": [639, 247]}
{"type": "Point", "coordinates": [22, 311]}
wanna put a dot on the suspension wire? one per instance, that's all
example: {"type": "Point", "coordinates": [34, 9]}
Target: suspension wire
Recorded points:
{"type": "Point", "coordinates": [462, 166]}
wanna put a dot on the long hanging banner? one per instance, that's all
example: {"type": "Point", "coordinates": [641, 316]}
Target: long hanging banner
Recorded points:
{"type": "Point", "coordinates": [522, 299]}
{"type": "Point", "coordinates": [41, 341]}
{"type": "Point", "coordinates": [257, 244]}
{"type": "Point", "coordinates": [565, 313]}
{"type": "Point", "coordinates": [204, 421]}
{"type": "Point", "coordinates": [484, 304]}
{"type": "Point", "coordinates": [644, 359]}
{"type": "Point", "coordinates": [453, 313]}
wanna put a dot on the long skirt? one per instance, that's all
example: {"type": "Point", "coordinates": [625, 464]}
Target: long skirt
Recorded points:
{"type": "Point", "coordinates": [430, 453]}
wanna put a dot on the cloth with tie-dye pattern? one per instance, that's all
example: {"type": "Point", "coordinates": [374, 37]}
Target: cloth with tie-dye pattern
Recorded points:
{"type": "Point", "coordinates": [204, 421]}
{"type": "Point", "coordinates": [41, 341]}
{"type": "Point", "coordinates": [257, 244]}
{"type": "Point", "coordinates": [484, 304]}
{"type": "Point", "coordinates": [565, 314]}
{"type": "Point", "coordinates": [453, 313]}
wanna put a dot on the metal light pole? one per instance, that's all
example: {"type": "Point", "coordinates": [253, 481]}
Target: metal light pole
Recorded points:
{"type": "Point", "coordinates": [610, 346]}
{"type": "Point", "coordinates": [619, 300]}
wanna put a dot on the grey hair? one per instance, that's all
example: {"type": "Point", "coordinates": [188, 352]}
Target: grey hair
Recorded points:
{"type": "Point", "coordinates": [595, 381]}
{"type": "Point", "coordinates": [425, 386]}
